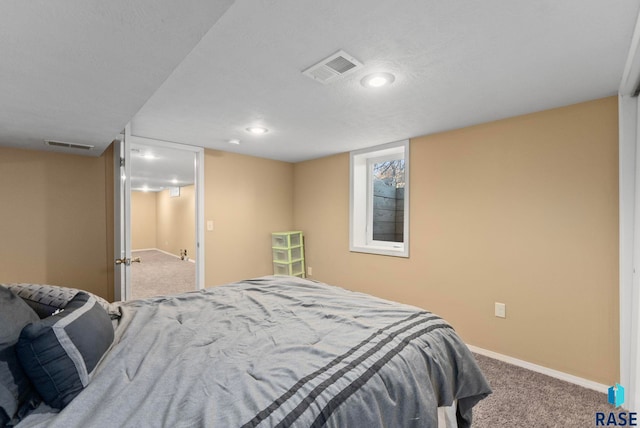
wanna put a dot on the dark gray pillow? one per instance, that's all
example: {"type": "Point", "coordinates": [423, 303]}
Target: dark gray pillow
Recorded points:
{"type": "Point", "coordinates": [17, 395]}
{"type": "Point", "coordinates": [46, 299]}
{"type": "Point", "coordinates": [59, 353]}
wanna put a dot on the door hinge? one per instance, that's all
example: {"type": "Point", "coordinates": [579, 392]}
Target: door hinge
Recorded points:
{"type": "Point", "coordinates": [121, 162]}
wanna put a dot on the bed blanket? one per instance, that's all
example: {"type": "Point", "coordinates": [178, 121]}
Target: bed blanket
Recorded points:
{"type": "Point", "coordinates": [275, 352]}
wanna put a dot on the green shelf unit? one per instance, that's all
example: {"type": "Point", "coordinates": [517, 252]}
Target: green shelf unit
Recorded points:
{"type": "Point", "coordinates": [286, 240]}
{"type": "Point", "coordinates": [291, 269]}
{"type": "Point", "coordinates": [284, 255]}
{"type": "Point", "coordinates": [288, 253]}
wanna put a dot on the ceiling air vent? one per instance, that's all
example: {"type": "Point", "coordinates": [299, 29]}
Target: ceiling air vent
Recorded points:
{"type": "Point", "coordinates": [337, 65]}
{"type": "Point", "coordinates": [54, 143]}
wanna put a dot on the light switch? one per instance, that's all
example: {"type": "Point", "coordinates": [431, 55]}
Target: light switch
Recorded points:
{"type": "Point", "coordinates": [209, 225]}
{"type": "Point", "coordinates": [501, 310]}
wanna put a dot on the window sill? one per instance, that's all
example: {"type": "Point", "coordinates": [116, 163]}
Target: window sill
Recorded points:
{"type": "Point", "coordinates": [381, 250]}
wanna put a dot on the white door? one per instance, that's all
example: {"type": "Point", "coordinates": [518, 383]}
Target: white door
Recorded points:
{"type": "Point", "coordinates": [122, 244]}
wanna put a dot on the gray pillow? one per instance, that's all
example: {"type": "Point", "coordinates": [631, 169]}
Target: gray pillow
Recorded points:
{"type": "Point", "coordinates": [46, 299]}
{"type": "Point", "coordinates": [59, 353]}
{"type": "Point", "coordinates": [17, 394]}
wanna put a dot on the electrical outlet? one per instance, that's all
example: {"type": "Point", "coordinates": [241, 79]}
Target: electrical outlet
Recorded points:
{"type": "Point", "coordinates": [501, 310]}
{"type": "Point", "coordinates": [309, 270]}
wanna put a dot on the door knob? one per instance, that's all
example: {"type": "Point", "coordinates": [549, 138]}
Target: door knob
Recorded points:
{"type": "Point", "coordinates": [128, 261]}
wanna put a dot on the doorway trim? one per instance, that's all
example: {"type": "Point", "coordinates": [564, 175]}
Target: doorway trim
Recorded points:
{"type": "Point", "coordinates": [629, 223]}
{"type": "Point", "coordinates": [629, 212]}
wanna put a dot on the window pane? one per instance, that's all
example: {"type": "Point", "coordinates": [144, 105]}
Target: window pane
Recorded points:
{"type": "Point", "coordinates": [388, 200]}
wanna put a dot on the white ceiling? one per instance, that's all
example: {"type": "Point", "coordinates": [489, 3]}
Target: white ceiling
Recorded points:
{"type": "Point", "coordinates": [77, 71]}
{"type": "Point", "coordinates": [201, 74]}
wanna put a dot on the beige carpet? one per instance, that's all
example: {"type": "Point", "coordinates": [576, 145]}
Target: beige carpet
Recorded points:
{"type": "Point", "coordinates": [160, 274]}
{"type": "Point", "coordinates": [522, 398]}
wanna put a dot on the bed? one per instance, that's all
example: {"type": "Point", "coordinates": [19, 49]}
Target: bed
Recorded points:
{"type": "Point", "coordinates": [266, 352]}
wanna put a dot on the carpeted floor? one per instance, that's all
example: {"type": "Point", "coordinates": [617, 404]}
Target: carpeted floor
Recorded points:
{"type": "Point", "coordinates": [160, 274]}
{"type": "Point", "coordinates": [522, 398]}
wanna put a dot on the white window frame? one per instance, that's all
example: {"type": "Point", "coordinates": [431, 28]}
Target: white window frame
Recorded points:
{"type": "Point", "coordinates": [361, 200]}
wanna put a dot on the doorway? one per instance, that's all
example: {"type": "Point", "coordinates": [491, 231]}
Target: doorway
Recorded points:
{"type": "Point", "coordinates": [161, 211]}
{"type": "Point", "coordinates": [163, 220]}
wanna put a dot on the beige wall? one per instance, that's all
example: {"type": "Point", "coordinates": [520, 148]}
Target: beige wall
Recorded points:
{"type": "Point", "coordinates": [522, 211]}
{"type": "Point", "coordinates": [56, 225]}
{"type": "Point", "coordinates": [176, 224]}
{"type": "Point", "coordinates": [143, 220]}
{"type": "Point", "coordinates": [247, 199]}
{"type": "Point", "coordinates": [164, 222]}
{"type": "Point", "coordinates": [54, 219]}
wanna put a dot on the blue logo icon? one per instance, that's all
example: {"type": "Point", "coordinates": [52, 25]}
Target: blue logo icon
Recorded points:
{"type": "Point", "coordinates": [616, 395]}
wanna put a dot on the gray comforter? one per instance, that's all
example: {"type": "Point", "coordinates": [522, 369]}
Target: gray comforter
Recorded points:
{"type": "Point", "coordinates": [275, 352]}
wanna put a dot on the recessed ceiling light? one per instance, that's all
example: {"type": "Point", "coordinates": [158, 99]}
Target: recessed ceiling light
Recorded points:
{"type": "Point", "coordinates": [377, 80]}
{"type": "Point", "coordinates": [257, 130]}
{"type": "Point", "coordinates": [234, 141]}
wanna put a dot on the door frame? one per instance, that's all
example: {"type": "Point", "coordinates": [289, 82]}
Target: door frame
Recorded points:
{"type": "Point", "coordinates": [629, 223]}
{"type": "Point", "coordinates": [122, 207]}
{"type": "Point", "coordinates": [629, 212]}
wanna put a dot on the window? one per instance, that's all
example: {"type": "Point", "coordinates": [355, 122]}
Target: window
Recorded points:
{"type": "Point", "coordinates": [379, 207]}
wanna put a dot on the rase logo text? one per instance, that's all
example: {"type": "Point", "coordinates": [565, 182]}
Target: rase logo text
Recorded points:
{"type": "Point", "coordinates": [615, 397]}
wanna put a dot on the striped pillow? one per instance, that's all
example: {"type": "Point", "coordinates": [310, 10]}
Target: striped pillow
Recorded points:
{"type": "Point", "coordinates": [59, 353]}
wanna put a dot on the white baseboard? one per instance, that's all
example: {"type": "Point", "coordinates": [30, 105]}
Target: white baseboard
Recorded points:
{"type": "Point", "coordinates": [163, 251]}
{"type": "Point", "coordinates": [167, 253]}
{"type": "Point", "coordinates": [586, 383]}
